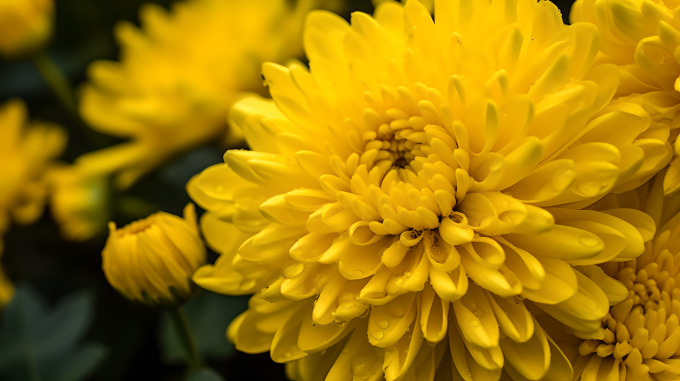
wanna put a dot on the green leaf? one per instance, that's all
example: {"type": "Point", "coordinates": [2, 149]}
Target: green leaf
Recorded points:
{"type": "Point", "coordinates": [209, 315]}
{"type": "Point", "coordinates": [41, 343]}
{"type": "Point", "coordinates": [83, 362]}
{"type": "Point", "coordinates": [204, 374]}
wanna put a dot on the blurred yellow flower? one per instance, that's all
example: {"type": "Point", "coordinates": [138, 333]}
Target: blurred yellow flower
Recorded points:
{"type": "Point", "coordinates": [642, 37]}
{"type": "Point", "coordinates": [179, 75]}
{"type": "Point", "coordinates": [25, 26]}
{"type": "Point", "coordinates": [152, 260]}
{"type": "Point", "coordinates": [26, 151]}
{"type": "Point", "coordinates": [642, 336]}
{"type": "Point", "coordinates": [423, 183]}
{"type": "Point", "coordinates": [78, 202]}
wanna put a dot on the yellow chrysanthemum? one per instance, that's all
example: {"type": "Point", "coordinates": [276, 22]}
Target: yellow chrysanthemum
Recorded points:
{"type": "Point", "coordinates": [642, 337]}
{"type": "Point", "coordinates": [422, 183]}
{"type": "Point", "coordinates": [643, 37]}
{"type": "Point", "coordinates": [25, 153]}
{"type": "Point", "coordinates": [78, 201]}
{"type": "Point", "coordinates": [25, 26]}
{"type": "Point", "coordinates": [152, 260]}
{"type": "Point", "coordinates": [179, 75]}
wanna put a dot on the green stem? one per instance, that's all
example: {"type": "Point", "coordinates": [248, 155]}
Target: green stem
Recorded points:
{"type": "Point", "coordinates": [186, 337]}
{"type": "Point", "coordinates": [135, 207]}
{"type": "Point", "coordinates": [56, 81]}
{"type": "Point", "coordinates": [61, 88]}
{"type": "Point", "coordinates": [31, 360]}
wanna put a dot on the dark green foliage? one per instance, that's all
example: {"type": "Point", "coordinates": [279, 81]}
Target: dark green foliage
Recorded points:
{"type": "Point", "coordinates": [42, 343]}
{"type": "Point", "coordinates": [209, 314]}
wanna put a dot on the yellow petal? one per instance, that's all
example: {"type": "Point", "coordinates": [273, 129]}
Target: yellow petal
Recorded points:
{"type": "Point", "coordinates": [434, 315]}
{"type": "Point", "coordinates": [388, 323]}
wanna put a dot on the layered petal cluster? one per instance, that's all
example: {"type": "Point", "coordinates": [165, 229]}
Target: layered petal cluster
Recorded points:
{"type": "Point", "coordinates": [179, 74]}
{"type": "Point", "coordinates": [26, 152]}
{"type": "Point", "coordinates": [79, 202]}
{"type": "Point", "coordinates": [409, 197]}
{"type": "Point", "coordinates": [642, 334]}
{"type": "Point", "coordinates": [642, 37]}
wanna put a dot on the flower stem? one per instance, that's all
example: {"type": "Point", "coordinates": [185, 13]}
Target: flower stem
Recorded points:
{"type": "Point", "coordinates": [61, 88]}
{"type": "Point", "coordinates": [135, 207]}
{"type": "Point", "coordinates": [186, 337]}
{"type": "Point", "coordinates": [56, 81]}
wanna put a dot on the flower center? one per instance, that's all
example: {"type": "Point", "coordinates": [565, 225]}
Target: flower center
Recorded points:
{"type": "Point", "coordinates": [406, 166]}
{"type": "Point", "coordinates": [396, 147]}
{"type": "Point", "coordinates": [645, 325]}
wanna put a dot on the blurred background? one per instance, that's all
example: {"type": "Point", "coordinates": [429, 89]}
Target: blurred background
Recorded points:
{"type": "Point", "coordinates": [62, 281]}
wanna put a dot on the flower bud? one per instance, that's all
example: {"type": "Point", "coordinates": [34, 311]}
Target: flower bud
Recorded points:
{"type": "Point", "coordinates": [25, 26]}
{"type": "Point", "coordinates": [152, 260]}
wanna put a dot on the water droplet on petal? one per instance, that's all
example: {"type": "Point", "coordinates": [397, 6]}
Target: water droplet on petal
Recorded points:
{"type": "Point", "coordinates": [588, 241]}
{"type": "Point", "coordinates": [384, 324]}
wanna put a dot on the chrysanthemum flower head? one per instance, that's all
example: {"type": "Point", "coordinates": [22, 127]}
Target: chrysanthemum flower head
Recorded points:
{"type": "Point", "coordinates": [642, 338]}
{"type": "Point", "coordinates": [642, 38]}
{"type": "Point", "coordinates": [421, 183]}
{"type": "Point", "coordinates": [180, 73]}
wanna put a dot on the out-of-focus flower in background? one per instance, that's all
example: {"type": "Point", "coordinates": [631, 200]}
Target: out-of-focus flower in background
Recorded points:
{"type": "Point", "coordinates": [642, 37]}
{"type": "Point", "coordinates": [152, 260]}
{"type": "Point", "coordinates": [78, 202]}
{"type": "Point", "coordinates": [25, 26]}
{"type": "Point", "coordinates": [26, 152]}
{"type": "Point", "coordinates": [179, 74]}
{"type": "Point", "coordinates": [424, 181]}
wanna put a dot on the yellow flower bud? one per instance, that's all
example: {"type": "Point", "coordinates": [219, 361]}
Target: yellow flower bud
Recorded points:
{"type": "Point", "coordinates": [152, 260]}
{"type": "Point", "coordinates": [25, 26]}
